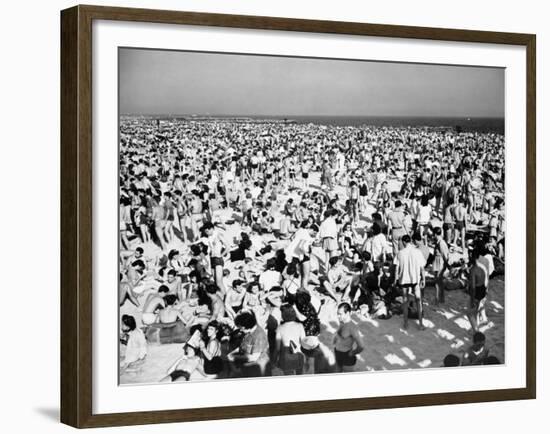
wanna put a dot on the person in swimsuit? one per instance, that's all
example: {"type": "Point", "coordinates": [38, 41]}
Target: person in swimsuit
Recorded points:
{"type": "Point", "coordinates": [477, 289]}
{"type": "Point", "coordinates": [184, 366]}
{"type": "Point", "coordinates": [234, 298]}
{"type": "Point", "coordinates": [461, 218]}
{"type": "Point", "coordinates": [440, 264]}
{"type": "Point", "coordinates": [216, 247]}
{"type": "Point", "coordinates": [347, 342]}
{"type": "Point", "coordinates": [211, 350]}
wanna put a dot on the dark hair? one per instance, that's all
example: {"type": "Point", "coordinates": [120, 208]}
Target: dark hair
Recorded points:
{"type": "Point", "coordinates": [376, 229]}
{"type": "Point", "coordinates": [479, 338]}
{"type": "Point", "coordinates": [195, 249]}
{"type": "Point", "coordinates": [163, 288]}
{"type": "Point", "coordinates": [173, 253]}
{"type": "Point", "coordinates": [346, 307]}
{"type": "Point", "coordinates": [437, 231]}
{"type": "Point", "coordinates": [138, 263]}
{"type": "Point", "coordinates": [288, 313]}
{"type": "Point", "coordinates": [211, 288]}
{"type": "Point", "coordinates": [129, 321]}
{"type": "Point", "coordinates": [172, 272]}
{"type": "Point", "coordinates": [139, 249]}
{"type": "Point", "coordinates": [398, 203]}
{"type": "Point", "coordinates": [302, 299]}
{"type": "Point", "coordinates": [451, 360]}
{"type": "Point", "coordinates": [292, 269]}
{"type": "Point", "coordinates": [246, 320]}
{"type": "Point", "coordinates": [170, 299]}
{"type": "Point", "coordinates": [332, 261]}
{"type": "Point", "coordinates": [406, 239]}
{"type": "Point", "coordinates": [417, 236]}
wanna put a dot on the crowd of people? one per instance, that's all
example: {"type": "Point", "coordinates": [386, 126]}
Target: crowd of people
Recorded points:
{"type": "Point", "coordinates": [245, 236]}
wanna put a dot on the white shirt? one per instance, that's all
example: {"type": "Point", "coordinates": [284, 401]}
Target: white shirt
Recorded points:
{"type": "Point", "coordinates": [328, 228]}
{"type": "Point", "coordinates": [410, 262]}
{"type": "Point", "coordinates": [269, 279]}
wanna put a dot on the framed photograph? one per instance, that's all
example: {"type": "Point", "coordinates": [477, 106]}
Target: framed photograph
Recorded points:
{"type": "Point", "coordinates": [268, 216]}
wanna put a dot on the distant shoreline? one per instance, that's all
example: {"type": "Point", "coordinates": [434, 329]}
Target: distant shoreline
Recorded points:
{"type": "Point", "coordinates": [479, 124]}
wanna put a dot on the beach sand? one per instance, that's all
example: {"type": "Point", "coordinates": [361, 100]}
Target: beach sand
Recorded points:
{"type": "Point", "coordinates": [387, 345]}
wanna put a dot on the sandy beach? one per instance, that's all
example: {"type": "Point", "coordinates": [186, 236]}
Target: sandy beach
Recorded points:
{"type": "Point", "coordinates": [387, 345]}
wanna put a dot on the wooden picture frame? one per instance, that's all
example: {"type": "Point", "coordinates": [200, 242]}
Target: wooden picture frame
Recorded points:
{"type": "Point", "coordinates": [76, 215]}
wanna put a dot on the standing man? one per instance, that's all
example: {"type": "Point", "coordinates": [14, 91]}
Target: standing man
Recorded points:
{"type": "Point", "coordinates": [440, 264]}
{"type": "Point", "coordinates": [409, 275]}
{"type": "Point", "coordinates": [396, 222]}
{"type": "Point", "coordinates": [347, 342]}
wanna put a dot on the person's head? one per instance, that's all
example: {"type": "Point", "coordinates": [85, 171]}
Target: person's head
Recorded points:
{"type": "Point", "coordinates": [479, 340]}
{"type": "Point", "coordinates": [138, 253]}
{"type": "Point", "coordinates": [170, 299]}
{"type": "Point", "coordinates": [138, 265]}
{"type": "Point", "coordinates": [270, 264]}
{"type": "Point", "coordinates": [163, 289]}
{"type": "Point", "coordinates": [173, 254]}
{"type": "Point", "coordinates": [211, 288]}
{"type": "Point", "coordinates": [128, 323]}
{"type": "Point", "coordinates": [212, 330]}
{"type": "Point", "coordinates": [344, 312]}
{"type": "Point", "coordinates": [288, 313]}
{"type": "Point", "coordinates": [171, 276]}
{"type": "Point", "coordinates": [207, 228]}
{"type": "Point", "coordinates": [195, 249]}
{"type": "Point", "coordinates": [334, 260]}
{"type": "Point", "coordinates": [376, 230]}
{"type": "Point", "coordinates": [406, 239]}
{"type": "Point", "coordinates": [253, 288]}
{"type": "Point", "coordinates": [424, 201]}
{"type": "Point", "coordinates": [245, 321]}
{"type": "Point", "coordinates": [238, 285]}
{"type": "Point", "coordinates": [437, 231]}
{"type": "Point", "coordinates": [451, 360]}
{"type": "Point", "coordinates": [302, 299]}
{"type": "Point", "coordinates": [417, 238]}
{"type": "Point", "coordinates": [398, 204]}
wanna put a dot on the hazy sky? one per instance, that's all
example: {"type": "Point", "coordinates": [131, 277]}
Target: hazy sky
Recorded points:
{"type": "Point", "coordinates": [176, 82]}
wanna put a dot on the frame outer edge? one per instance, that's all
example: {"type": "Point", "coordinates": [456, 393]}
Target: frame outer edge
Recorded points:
{"type": "Point", "coordinates": [68, 243]}
{"type": "Point", "coordinates": [531, 204]}
{"type": "Point", "coordinates": [76, 216]}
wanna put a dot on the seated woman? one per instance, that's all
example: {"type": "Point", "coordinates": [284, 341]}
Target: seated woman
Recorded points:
{"type": "Point", "coordinates": [136, 346]}
{"type": "Point", "coordinates": [251, 357]}
{"type": "Point", "coordinates": [211, 350]}
{"type": "Point", "coordinates": [289, 335]}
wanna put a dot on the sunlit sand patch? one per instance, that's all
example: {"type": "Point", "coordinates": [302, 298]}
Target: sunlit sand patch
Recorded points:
{"type": "Point", "coordinates": [497, 306]}
{"type": "Point", "coordinates": [486, 327]}
{"type": "Point", "coordinates": [425, 363]}
{"type": "Point", "coordinates": [447, 315]}
{"type": "Point", "coordinates": [390, 338]}
{"type": "Point", "coordinates": [372, 321]}
{"type": "Point", "coordinates": [393, 359]}
{"type": "Point", "coordinates": [428, 324]}
{"type": "Point", "coordinates": [360, 358]}
{"type": "Point", "coordinates": [463, 323]}
{"type": "Point", "coordinates": [405, 332]}
{"type": "Point", "coordinates": [408, 353]}
{"type": "Point", "coordinates": [445, 334]}
{"type": "Point", "coordinates": [456, 312]}
{"type": "Point", "coordinates": [457, 344]}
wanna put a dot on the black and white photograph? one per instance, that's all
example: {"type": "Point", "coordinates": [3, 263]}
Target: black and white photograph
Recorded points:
{"type": "Point", "coordinates": [306, 216]}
